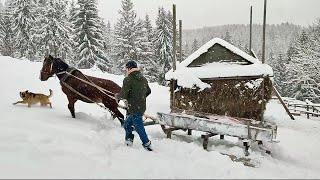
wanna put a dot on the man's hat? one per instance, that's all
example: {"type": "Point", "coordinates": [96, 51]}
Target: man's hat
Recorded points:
{"type": "Point", "coordinates": [131, 64]}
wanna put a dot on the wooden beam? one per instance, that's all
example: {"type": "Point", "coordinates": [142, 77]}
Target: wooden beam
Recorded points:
{"type": "Point", "coordinates": [232, 78]}
{"type": "Point", "coordinates": [264, 32]}
{"type": "Point", "coordinates": [174, 25]}
{"type": "Point", "coordinates": [282, 102]}
{"type": "Point", "coordinates": [250, 39]}
{"type": "Point", "coordinates": [263, 53]}
{"type": "Point", "coordinates": [180, 40]}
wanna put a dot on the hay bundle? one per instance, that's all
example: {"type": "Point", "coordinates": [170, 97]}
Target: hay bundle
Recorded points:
{"type": "Point", "coordinates": [236, 98]}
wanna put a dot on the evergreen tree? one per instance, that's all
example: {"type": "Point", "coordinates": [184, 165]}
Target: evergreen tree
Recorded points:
{"type": "Point", "coordinates": [149, 28]}
{"type": "Point", "coordinates": [186, 49]}
{"type": "Point", "coordinates": [72, 16]}
{"type": "Point", "coordinates": [1, 7]}
{"type": "Point", "coordinates": [107, 36]}
{"type": "Point", "coordinates": [23, 23]}
{"type": "Point", "coordinates": [6, 34]}
{"type": "Point", "coordinates": [195, 45]}
{"type": "Point", "coordinates": [88, 35]}
{"type": "Point", "coordinates": [227, 37]}
{"type": "Point", "coordinates": [53, 33]}
{"type": "Point", "coordinates": [304, 69]}
{"type": "Point", "coordinates": [280, 75]}
{"type": "Point", "coordinates": [146, 56]}
{"type": "Point", "coordinates": [163, 43]}
{"type": "Point", "coordinates": [125, 35]}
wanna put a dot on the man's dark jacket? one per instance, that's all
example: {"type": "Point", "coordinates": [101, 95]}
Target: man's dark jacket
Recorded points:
{"type": "Point", "coordinates": [135, 89]}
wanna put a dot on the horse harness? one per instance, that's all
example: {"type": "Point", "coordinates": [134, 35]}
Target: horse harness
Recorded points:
{"type": "Point", "coordinates": [69, 73]}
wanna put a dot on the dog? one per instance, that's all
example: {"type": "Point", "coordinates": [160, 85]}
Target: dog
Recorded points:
{"type": "Point", "coordinates": [32, 98]}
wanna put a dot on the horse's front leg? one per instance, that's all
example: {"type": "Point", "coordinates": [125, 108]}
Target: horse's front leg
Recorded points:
{"type": "Point", "coordinates": [71, 106]}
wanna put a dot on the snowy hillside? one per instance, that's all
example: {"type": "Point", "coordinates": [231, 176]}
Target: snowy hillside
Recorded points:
{"type": "Point", "coordinates": [40, 142]}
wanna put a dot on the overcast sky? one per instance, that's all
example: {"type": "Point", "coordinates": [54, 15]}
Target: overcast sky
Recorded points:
{"type": "Point", "coordinates": [200, 13]}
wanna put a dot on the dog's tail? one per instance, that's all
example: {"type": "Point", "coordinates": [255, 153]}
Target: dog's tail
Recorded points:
{"type": "Point", "coordinates": [51, 93]}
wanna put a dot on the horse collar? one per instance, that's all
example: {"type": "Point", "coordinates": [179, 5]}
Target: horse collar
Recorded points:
{"type": "Point", "coordinates": [67, 73]}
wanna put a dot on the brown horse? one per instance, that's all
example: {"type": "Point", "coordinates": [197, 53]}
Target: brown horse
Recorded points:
{"type": "Point", "coordinates": [55, 66]}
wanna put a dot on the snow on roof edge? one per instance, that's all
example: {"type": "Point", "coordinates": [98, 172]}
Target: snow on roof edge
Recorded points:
{"type": "Point", "coordinates": [203, 49]}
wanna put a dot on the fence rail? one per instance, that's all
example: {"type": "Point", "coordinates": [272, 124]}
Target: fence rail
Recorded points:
{"type": "Point", "coordinates": [307, 108]}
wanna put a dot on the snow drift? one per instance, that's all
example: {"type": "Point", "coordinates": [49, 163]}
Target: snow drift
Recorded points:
{"type": "Point", "coordinates": [40, 142]}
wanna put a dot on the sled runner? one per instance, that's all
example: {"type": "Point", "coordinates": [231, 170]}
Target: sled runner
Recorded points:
{"type": "Point", "coordinates": [245, 129]}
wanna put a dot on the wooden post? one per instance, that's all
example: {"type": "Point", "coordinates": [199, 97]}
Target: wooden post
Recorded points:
{"type": "Point", "coordinates": [313, 110]}
{"type": "Point", "coordinates": [174, 25]}
{"type": "Point", "coordinates": [263, 52]}
{"type": "Point", "coordinates": [180, 40]}
{"type": "Point", "coordinates": [250, 43]}
{"type": "Point", "coordinates": [281, 101]}
{"type": "Point", "coordinates": [189, 131]}
{"type": "Point", "coordinates": [264, 32]}
{"type": "Point", "coordinates": [308, 115]}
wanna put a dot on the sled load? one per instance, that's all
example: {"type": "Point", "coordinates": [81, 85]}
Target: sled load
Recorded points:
{"type": "Point", "coordinates": [220, 90]}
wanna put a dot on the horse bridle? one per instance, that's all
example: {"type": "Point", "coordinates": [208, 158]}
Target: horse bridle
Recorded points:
{"type": "Point", "coordinates": [48, 72]}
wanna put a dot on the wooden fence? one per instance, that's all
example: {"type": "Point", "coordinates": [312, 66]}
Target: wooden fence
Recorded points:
{"type": "Point", "coordinates": [306, 108]}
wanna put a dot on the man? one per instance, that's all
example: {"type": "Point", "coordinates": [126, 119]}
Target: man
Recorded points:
{"type": "Point", "coordinates": [135, 89]}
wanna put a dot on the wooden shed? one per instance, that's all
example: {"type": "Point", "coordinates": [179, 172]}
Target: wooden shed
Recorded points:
{"type": "Point", "coordinates": [221, 79]}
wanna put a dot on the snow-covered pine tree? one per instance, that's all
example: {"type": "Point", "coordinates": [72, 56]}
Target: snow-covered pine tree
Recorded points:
{"type": "Point", "coordinates": [146, 57]}
{"type": "Point", "coordinates": [106, 42]}
{"type": "Point", "coordinates": [88, 36]}
{"type": "Point", "coordinates": [227, 37]}
{"type": "Point", "coordinates": [303, 70]}
{"type": "Point", "coordinates": [7, 45]}
{"type": "Point", "coordinates": [53, 32]}
{"type": "Point", "coordinates": [6, 35]}
{"type": "Point", "coordinates": [23, 27]}
{"type": "Point", "coordinates": [315, 40]}
{"type": "Point", "coordinates": [163, 43]}
{"type": "Point", "coordinates": [186, 49]}
{"type": "Point", "coordinates": [280, 74]}
{"type": "Point", "coordinates": [195, 45]}
{"type": "Point", "coordinates": [1, 7]}
{"type": "Point", "coordinates": [73, 10]}
{"type": "Point", "coordinates": [124, 33]}
{"type": "Point", "coordinates": [107, 37]}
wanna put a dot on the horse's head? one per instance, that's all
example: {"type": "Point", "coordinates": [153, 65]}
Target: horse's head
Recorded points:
{"type": "Point", "coordinates": [47, 70]}
{"type": "Point", "coordinates": [52, 66]}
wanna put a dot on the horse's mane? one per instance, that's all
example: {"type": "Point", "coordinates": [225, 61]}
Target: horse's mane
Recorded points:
{"type": "Point", "coordinates": [60, 64]}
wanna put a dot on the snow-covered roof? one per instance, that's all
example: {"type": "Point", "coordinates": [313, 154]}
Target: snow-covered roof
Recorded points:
{"type": "Point", "coordinates": [220, 70]}
{"type": "Point", "coordinates": [191, 76]}
{"type": "Point", "coordinates": [203, 49]}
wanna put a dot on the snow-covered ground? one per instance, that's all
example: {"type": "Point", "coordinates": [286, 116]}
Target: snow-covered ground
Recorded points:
{"type": "Point", "coordinates": [40, 142]}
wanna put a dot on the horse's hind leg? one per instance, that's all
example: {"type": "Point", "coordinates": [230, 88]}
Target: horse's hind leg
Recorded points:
{"type": "Point", "coordinates": [119, 115]}
{"type": "Point", "coordinates": [71, 106]}
{"type": "Point", "coordinates": [113, 107]}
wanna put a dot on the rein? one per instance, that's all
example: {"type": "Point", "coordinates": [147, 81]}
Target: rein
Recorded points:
{"type": "Point", "coordinates": [89, 82]}
{"type": "Point", "coordinates": [102, 90]}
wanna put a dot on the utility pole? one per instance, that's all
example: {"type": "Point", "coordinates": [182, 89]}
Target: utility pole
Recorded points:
{"type": "Point", "coordinates": [250, 43]}
{"type": "Point", "coordinates": [180, 40]}
{"type": "Point", "coordinates": [173, 81]}
{"type": "Point", "coordinates": [264, 32]}
{"type": "Point", "coordinates": [263, 56]}
{"type": "Point", "coordinates": [174, 24]}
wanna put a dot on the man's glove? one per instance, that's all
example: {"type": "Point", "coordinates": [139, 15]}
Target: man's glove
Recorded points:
{"type": "Point", "coordinates": [117, 97]}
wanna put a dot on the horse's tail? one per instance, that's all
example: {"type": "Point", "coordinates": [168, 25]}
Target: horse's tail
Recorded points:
{"type": "Point", "coordinates": [51, 93]}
